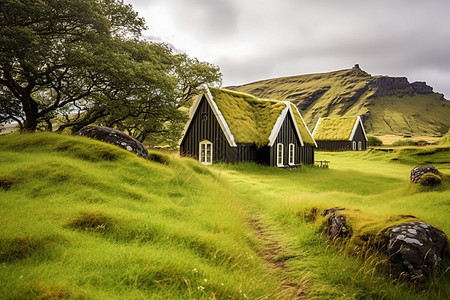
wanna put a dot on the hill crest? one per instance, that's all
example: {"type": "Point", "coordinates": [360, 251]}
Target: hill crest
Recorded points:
{"type": "Point", "coordinates": [387, 105]}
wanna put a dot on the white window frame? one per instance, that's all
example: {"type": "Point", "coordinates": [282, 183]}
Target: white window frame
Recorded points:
{"type": "Point", "coordinates": [204, 157]}
{"type": "Point", "coordinates": [359, 145]}
{"type": "Point", "coordinates": [354, 145]}
{"type": "Point", "coordinates": [280, 152]}
{"type": "Point", "coordinates": [291, 154]}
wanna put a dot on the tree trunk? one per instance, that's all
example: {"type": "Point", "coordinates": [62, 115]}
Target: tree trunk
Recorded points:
{"type": "Point", "coordinates": [30, 107]}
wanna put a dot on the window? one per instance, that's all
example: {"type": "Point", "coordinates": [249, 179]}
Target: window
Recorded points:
{"type": "Point", "coordinates": [354, 145]}
{"type": "Point", "coordinates": [279, 155]}
{"type": "Point", "coordinates": [291, 154]}
{"type": "Point", "coordinates": [359, 145]}
{"type": "Point", "coordinates": [204, 116]}
{"type": "Point", "coordinates": [205, 156]}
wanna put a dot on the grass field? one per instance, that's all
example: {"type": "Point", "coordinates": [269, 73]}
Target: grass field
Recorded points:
{"type": "Point", "coordinates": [86, 220]}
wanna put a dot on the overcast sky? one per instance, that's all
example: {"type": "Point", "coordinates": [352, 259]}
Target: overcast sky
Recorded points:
{"type": "Point", "coordinates": [252, 40]}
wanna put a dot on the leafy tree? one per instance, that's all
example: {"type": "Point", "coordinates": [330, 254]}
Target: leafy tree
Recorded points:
{"type": "Point", "coordinates": [71, 63]}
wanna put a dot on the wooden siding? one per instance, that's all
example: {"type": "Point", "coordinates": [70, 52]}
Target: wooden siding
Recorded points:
{"type": "Point", "coordinates": [307, 155]}
{"type": "Point", "coordinates": [334, 145]}
{"type": "Point", "coordinates": [286, 136]}
{"type": "Point", "coordinates": [204, 126]}
{"type": "Point", "coordinates": [344, 145]}
{"type": "Point", "coordinates": [359, 136]}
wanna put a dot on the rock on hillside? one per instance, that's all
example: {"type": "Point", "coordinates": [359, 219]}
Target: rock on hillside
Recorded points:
{"type": "Point", "coordinates": [389, 105]}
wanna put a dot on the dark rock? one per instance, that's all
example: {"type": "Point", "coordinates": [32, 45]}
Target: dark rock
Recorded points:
{"type": "Point", "coordinates": [417, 247]}
{"type": "Point", "coordinates": [390, 86]}
{"type": "Point", "coordinates": [115, 137]}
{"type": "Point", "coordinates": [421, 88]}
{"type": "Point", "coordinates": [330, 211]}
{"type": "Point", "coordinates": [337, 226]}
{"type": "Point", "coordinates": [426, 175]}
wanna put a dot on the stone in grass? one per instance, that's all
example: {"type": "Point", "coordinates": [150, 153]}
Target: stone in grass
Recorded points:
{"type": "Point", "coordinates": [426, 175]}
{"type": "Point", "coordinates": [337, 224]}
{"type": "Point", "coordinates": [417, 247]}
{"type": "Point", "coordinates": [115, 137]}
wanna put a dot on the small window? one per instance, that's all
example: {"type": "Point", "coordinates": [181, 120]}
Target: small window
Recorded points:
{"type": "Point", "coordinates": [205, 155]}
{"type": "Point", "coordinates": [354, 145]}
{"type": "Point", "coordinates": [359, 145]}
{"type": "Point", "coordinates": [204, 116]}
{"type": "Point", "coordinates": [279, 155]}
{"type": "Point", "coordinates": [291, 154]}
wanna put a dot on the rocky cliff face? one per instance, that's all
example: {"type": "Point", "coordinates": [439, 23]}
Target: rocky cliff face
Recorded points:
{"type": "Point", "coordinates": [397, 86]}
{"type": "Point", "coordinates": [388, 105]}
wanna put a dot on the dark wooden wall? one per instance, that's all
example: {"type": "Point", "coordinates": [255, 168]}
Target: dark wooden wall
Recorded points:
{"type": "Point", "coordinates": [359, 136]}
{"type": "Point", "coordinates": [204, 126]}
{"type": "Point", "coordinates": [334, 145]}
{"type": "Point", "coordinates": [286, 136]}
{"type": "Point", "coordinates": [344, 145]}
{"type": "Point", "coordinates": [307, 154]}
{"type": "Point", "coordinates": [209, 129]}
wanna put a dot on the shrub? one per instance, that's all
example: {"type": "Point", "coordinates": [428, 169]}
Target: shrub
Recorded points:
{"type": "Point", "coordinates": [374, 141]}
{"type": "Point", "coordinates": [404, 143]}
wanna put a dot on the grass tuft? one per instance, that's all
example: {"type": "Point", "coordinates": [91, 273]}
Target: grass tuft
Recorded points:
{"type": "Point", "coordinates": [23, 246]}
{"type": "Point", "coordinates": [92, 221]}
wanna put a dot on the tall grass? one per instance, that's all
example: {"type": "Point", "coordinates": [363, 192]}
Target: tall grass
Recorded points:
{"type": "Point", "coordinates": [83, 219]}
{"type": "Point", "coordinates": [376, 191]}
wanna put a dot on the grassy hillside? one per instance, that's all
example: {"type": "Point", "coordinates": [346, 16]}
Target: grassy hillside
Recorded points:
{"type": "Point", "coordinates": [84, 219]}
{"type": "Point", "coordinates": [389, 105]}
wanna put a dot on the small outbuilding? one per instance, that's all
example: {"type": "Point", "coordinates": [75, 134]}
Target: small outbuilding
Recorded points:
{"type": "Point", "coordinates": [228, 126]}
{"type": "Point", "coordinates": [340, 134]}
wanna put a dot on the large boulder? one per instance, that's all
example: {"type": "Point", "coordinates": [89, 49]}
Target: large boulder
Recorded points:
{"type": "Point", "coordinates": [426, 175]}
{"type": "Point", "coordinates": [417, 247]}
{"type": "Point", "coordinates": [115, 137]}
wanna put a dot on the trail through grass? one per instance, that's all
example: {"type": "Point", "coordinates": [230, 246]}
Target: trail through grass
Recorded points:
{"type": "Point", "coordinates": [86, 220]}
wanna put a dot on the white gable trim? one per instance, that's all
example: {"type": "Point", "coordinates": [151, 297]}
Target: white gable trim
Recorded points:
{"type": "Point", "coordinates": [276, 128]}
{"type": "Point", "coordinates": [295, 122]}
{"type": "Point", "coordinates": [304, 123]}
{"type": "Point", "coordinates": [223, 124]}
{"type": "Point", "coordinates": [358, 121]}
{"type": "Point", "coordinates": [317, 126]}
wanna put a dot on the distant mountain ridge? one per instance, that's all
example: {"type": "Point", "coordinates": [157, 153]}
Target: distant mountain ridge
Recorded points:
{"type": "Point", "coordinates": [388, 105]}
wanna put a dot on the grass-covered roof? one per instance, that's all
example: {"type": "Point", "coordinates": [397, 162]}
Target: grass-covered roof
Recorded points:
{"type": "Point", "coordinates": [304, 132]}
{"type": "Point", "coordinates": [334, 129]}
{"type": "Point", "coordinates": [250, 119]}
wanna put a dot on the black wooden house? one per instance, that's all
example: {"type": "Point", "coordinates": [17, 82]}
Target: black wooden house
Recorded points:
{"type": "Point", "coordinates": [227, 126]}
{"type": "Point", "coordinates": [340, 134]}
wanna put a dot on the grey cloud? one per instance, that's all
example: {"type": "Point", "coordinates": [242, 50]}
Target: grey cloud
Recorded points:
{"type": "Point", "coordinates": [267, 38]}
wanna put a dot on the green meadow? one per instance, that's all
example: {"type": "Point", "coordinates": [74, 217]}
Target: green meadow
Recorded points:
{"type": "Point", "coordinates": [86, 220]}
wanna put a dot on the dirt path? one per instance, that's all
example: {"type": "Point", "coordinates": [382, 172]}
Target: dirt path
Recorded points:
{"type": "Point", "coordinates": [269, 252]}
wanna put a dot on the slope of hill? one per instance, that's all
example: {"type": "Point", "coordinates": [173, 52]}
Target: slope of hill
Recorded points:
{"type": "Point", "coordinates": [388, 105]}
{"type": "Point", "coordinates": [83, 219]}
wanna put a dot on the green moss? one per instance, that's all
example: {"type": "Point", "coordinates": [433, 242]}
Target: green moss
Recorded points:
{"type": "Point", "coordinates": [250, 119]}
{"type": "Point", "coordinates": [304, 132]}
{"type": "Point", "coordinates": [334, 129]}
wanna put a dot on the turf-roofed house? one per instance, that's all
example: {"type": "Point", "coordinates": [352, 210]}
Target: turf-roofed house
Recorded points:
{"type": "Point", "coordinates": [227, 126]}
{"type": "Point", "coordinates": [340, 134]}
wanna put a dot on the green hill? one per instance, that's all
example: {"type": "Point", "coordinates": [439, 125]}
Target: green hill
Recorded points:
{"type": "Point", "coordinates": [83, 219]}
{"type": "Point", "coordinates": [388, 105]}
